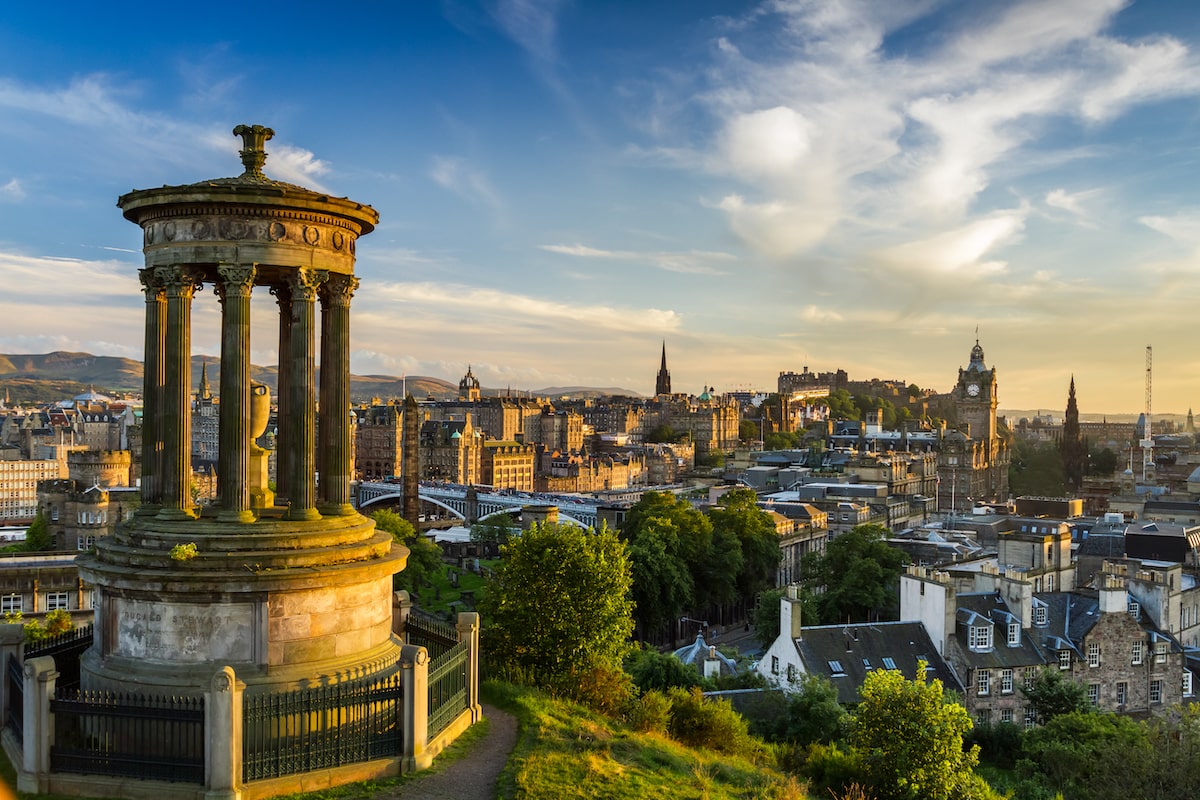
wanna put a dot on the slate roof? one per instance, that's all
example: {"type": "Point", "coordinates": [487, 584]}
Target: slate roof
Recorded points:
{"type": "Point", "coordinates": [844, 654]}
{"type": "Point", "coordinates": [987, 605]}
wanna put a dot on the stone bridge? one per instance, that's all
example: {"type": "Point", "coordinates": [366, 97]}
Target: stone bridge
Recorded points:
{"type": "Point", "coordinates": [572, 509]}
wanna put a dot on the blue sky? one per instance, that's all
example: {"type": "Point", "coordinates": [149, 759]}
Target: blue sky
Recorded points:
{"type": "Point", "coordinates": [565, 185]}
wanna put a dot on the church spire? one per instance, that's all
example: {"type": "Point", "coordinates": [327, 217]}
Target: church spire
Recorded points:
{"type": "Point", "coordinates": [1072, 446]}
{"type": "Point", "coordinates": [662, 384]}
{"type": "Point", "coordinates": [205, 394]}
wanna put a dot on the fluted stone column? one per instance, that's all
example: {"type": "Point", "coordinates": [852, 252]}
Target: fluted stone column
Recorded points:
{"type": "Point", "coordinates": [302, 401]}
{"type": "Point", "coordinates": [152, 391]}
{"type": "Point", "coordinates": [233, 464]}
{"type": "Point", "coordinates": [334, 419]}
{"type": "Point", "coordinates": [179, 284]}
{"type": "Point", "coordinates": [283, 382]}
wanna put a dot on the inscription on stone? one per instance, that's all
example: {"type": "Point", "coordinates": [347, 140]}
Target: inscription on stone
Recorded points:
{"type": "Point", "coordinates": [184, 632]}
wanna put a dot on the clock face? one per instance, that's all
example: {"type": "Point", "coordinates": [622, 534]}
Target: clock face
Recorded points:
{"type": "Point", "coordinates": [973, 389]}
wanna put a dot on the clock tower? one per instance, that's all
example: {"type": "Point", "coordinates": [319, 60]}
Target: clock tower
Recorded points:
{"type": "Point", "coordinates": [975, 399]}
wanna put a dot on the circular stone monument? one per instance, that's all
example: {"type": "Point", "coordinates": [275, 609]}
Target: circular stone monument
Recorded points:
{"type": "Point", "coordinates": [291, 587]}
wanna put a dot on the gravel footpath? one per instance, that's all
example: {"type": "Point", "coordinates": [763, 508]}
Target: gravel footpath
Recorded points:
{"type": "Point", "coordinates": [473, 776]}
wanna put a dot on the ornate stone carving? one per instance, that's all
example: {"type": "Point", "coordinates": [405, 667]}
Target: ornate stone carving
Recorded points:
{"type": "Point", "coordinates": [148, 234]}
{"type": "Point", "coordinates": [277, 231]}
{"type": "Point", "coordinates": [254, 137]}
{"type": "Point", "coordinates": [179, 281]}
{"type": "Point", "coordinates": [338, 289]}
{"type": "Point", "coordinates": [169, 231]}
{"type": "Point", "coordinates": [236, 281]}
{"type": "Point", "coordinates": [151, 282]}
{"type": "Point", "coordinates": [339, 240]}
{"type": "Point", "coordinates": [304, 283]}
{"type": "Point", "coordinates": [312, 234]}
{"type": "Point", "coordinates": [201, 229]}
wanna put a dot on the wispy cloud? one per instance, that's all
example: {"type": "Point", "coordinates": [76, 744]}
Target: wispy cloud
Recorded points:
{"type": "Point", "coordinates": [12, 190]}
{"type": "Point", "coordinates": [457, 176]}
{"type": "Point", "coordinates": [693, 262]}
{"type": "Point", "coordinates": [521, 310]}
{"type": "Point", "coordinates": [531, 24]}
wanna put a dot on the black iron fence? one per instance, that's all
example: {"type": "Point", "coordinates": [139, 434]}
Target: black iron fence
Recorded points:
{"type": "Point", "coordinates": [448, 687]}
{"type": "Point", "coordinates": [15, 675]}
{"type": "Point", "coordinates": [66, 650]}
{"type": "Point", "coordinates": [128, 735]}
{"type": "Point", "coordinates": [435, 636]}
{"type": "Point", "coordinates": [284, 733]}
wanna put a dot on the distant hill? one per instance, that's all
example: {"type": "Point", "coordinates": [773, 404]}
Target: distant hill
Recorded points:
{"type": "Point", "coordinates": [582, 391]}
{"type": "Point", "coordinates": [56, 376]}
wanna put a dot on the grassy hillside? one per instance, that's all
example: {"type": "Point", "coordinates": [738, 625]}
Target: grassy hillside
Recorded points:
{"type": "Point", "coordinates": [565, 750]}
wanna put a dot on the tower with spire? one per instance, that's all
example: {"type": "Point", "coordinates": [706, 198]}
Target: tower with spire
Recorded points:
{"type": "Point", "coordinates": [662, 384]}
{"type": "Point", "coordinates": [1072, 447]}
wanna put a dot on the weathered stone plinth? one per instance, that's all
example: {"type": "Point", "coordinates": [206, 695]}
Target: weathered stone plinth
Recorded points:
{"type": "Point", "coordinates": [284, 603]}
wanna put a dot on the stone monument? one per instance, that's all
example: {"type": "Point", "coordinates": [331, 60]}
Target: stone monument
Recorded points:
{"type": "Point", "coordinates": [290, 590]}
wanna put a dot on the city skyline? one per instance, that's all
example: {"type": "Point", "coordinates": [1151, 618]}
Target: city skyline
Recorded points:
{"type": "Point", "coordinates": [763, 186]}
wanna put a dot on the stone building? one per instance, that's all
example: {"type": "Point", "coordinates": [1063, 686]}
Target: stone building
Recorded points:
{"type": "Point", "coordinates": [378, 441]}
{"type": "Point", "coordinates": [973, 460]}
{"type": "Point", "coordinates": [451, 451]}
{"type": "Point", "coordinates": [508, 465]}
{"type": "Point", "coordinates": [19, 485]}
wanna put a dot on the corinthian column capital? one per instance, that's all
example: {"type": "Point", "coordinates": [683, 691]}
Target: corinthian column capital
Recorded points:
{"type": "Point", "coordinates": [338, 289]}
{"type": "Point", "coordinates": [304, 283]}
{"type": "Point", "coordinates": [236, 281]}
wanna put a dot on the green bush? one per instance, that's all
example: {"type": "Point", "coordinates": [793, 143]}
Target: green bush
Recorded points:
{"type": "Point", "coordinates": [603, 689]}
{"type": "Point", "coordinates": [713, 724]}
{"type": "Point", "coordinates": [650, 713]}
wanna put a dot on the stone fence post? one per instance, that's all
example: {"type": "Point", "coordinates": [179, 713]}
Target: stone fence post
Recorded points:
{"type": "Point", "coordinates": [414, 670]}
{"type": "Point", "coordinates": [11, 637]}
{"type": "Point", "coordinates": [401, 607]}
{"type": "Point", "coordinates": [468, 631]}
{"type": "Point", "coordinates": [223, 728]}
{"type": "Point", "coordinates": [40, 678]}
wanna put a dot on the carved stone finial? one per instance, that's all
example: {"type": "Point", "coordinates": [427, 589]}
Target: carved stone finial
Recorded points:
{"type": "Point", "coordinates": [253, 154]}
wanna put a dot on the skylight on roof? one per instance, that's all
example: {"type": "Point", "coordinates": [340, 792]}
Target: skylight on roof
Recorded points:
{"type": "Point", "coordinates": [835, 667]}
{"type": "Point", "coordinates": [888, 663]}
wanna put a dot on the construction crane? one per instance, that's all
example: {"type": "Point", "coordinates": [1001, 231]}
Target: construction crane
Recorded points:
{"type": "Point", "coordinates": [1147, 434]}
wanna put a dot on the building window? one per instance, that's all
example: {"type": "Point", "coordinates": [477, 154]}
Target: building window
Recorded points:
{"type": "Point", "coordinates": [1094, 654]}
{"type": "Point", "coordinates": [1155, 691]}
{"type": "Point", "coordinates": [1122, 693]}
{"type": "Point", "coordinates": [1064, 659]}
{"type": "Point", "coordinates": [1160, 652]}
{"type": "Point", "coordinates": [1050, 583]}
{"type": "Point", "coordinates": [1138, 647]}
{"type": "Point", "coordinates": [1006, 715]}
{"type": "Point", "coordinates": [54, 514]}
{"type": "Point", "coordinates": [1039, 615]}
{"type": "Point", "coordinates": [1006, 681]}
{"type": "Point", "coordinates": [1134, 609]}
{"type": "Point", "coordinates": [889, 663]}
{"type": "Point", "coordinates": [774, 665]}
{"type": "Point", "coordinates": [791, 672]}
{"type": "Point", "coordinates": [983, 681]}
{"type": "Point", "coordinates": [1014, 634]}
{"type": "Point", "coordinates": [11, 604]}
{"type": "Point", "coordinates": [1027, 677]}
{"type": "Point", "coordinates": [1187, 683]}
{"type": "Point", "coordinates": [983, 716]}
{"type": "Point", "coordinates": [1094, 693]}
{"type": "Point", "coordinates": [57, 601]}
{"type": "Point", "coordinates": [1029, 718]}
{"type": "Point", "coordinates": [980, 637]}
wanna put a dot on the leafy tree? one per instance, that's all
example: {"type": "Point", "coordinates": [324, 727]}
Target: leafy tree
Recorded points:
{"type": "Point", "coordinates": [665, 433]}
{"type": "Point", "coordinates": [811, 716]}
{"type": "Point", "coordinates": [558, 606]}
{"type": "Point", "coordinates": [1090, 756]}
{"type": "Point", "coordinates": [860, 574]}
{"type": "Point", "coordinates": [910, 740]}
{"type": "Point", "coordinates": [747, 431]}
{"type": "Point", "coordinates": [57, 622]}
{"type": "Point", "coordinates": [652, 670]}
{"type": "Point", "coordinates": [1036, 469]}
{"type": "Point", "coordinates": [38, 537]}
{"type": "Point", "coordinates": [841, 405]}
{"type": "Point", "coordinates": [424, 557]}
{"type": "Point", "coordinates": [781, 440]}
{"type": "Point", "coordinates": [662, 582]}
{"type": "Point", "coordinates": [914, 391]}
{"type": "Point", "coordinates": [1052, 694]}
{"type": "Point", "coordinates": [1102, 462]}
{"type": "Point", "coordinates": [740, 516]}
{"type": "Point", "coordinates": [497, 530]}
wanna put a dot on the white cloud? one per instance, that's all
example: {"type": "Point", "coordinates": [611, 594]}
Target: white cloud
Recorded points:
{"type": "Point", "coordinates": [457, 176]}
{"type": "Point", "coordinates": [12, 190]}
{"type": "Point", "coordinates": [295, 165]}
{"type": "Point", "coordinates": [691, 262]}
{"type": "Point", "coordinates": [960, 252]}
{"type": "Point", "coordinates": [1060, 198]}
{"type": "Point", "coordinates": [521, 311]}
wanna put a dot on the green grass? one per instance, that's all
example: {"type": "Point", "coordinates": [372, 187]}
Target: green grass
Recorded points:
{"type": "Point", "coordinates": [446, 594]}
{"type": "Point", "coordinates": [565, 751]}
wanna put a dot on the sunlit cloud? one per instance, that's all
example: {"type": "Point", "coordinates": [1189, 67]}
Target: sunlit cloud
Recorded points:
{"type": "Point", "coordinates": [693, 262]}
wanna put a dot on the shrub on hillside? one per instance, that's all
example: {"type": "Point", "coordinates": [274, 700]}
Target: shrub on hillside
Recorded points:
{"type": "Point", "coordinates": [650, 713]}
{"type": "Point", "coordinates": [713, 724]}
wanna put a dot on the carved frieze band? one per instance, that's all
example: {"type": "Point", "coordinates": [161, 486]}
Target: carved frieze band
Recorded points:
{"type": "Point", "coordinates": [314, 232]}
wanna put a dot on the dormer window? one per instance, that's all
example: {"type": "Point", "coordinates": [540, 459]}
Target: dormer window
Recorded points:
{"type": "Point", "coordinates": [1014, 634]}
{"type": "Point", "coordinates": [980, 637]}
{"type": "Point", "coordinates": [1135, 609]}
{"type": "Point", "coordinates": [1039, 615]}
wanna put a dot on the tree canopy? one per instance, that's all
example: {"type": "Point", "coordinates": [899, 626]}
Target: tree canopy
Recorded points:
{"type": "Point", "coordinates": [424, 557]}
{"type": "Point", "coordinates": [739, 515]}
{"type": "Point", "coordinates": [1052, 694]}
{"type": "Point", "coordinates": [910, 741]}
{"type": "Point", "coordinates": [558, 606]}
{"type": "Point", "coordinates": [859, 573]}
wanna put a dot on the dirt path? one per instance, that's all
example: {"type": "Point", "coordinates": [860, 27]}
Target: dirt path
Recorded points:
{"type": "Point", "coordinates": [473, 776]}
